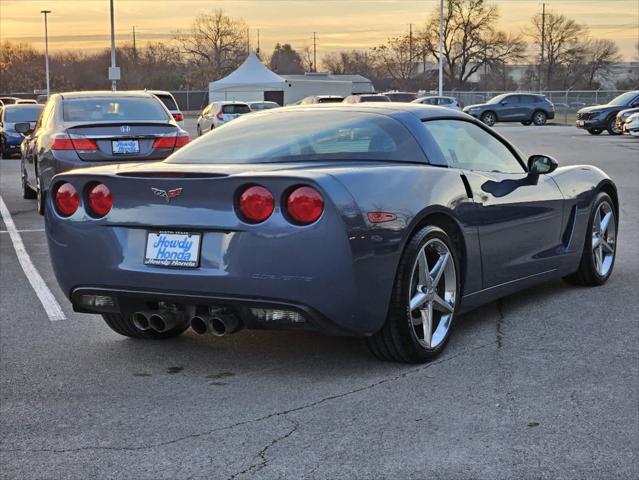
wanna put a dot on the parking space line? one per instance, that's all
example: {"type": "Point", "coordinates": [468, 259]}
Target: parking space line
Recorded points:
{"type": "Point", "coordinates": [48, 301]}
{"type": "Point", "coordinates": [28, 230]}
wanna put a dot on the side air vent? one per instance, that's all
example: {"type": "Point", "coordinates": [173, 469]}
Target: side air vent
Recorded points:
{"type": "Point", "coordinates": [570, 227]}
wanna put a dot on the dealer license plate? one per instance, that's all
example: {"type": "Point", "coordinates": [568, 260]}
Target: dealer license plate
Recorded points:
{"type": "Point", "coordinates": [125, 147]}
{"type": "Point", "coordinates": [173, 249]}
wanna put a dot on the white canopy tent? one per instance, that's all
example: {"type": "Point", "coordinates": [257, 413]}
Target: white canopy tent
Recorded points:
{"type": "Point", "coordinates": [247, 83]}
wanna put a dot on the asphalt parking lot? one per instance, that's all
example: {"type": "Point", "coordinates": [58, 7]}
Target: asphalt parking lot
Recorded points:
{"type": "Point", "coordinates": [543, 384]}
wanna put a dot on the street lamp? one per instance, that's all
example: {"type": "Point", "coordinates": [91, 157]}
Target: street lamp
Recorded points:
{"type": "Point", "coordinates": [46, 49]}
{"type": "Point", "coordinates": [114, 72]}
{"type": "Point", "coordinates": [441, 47]}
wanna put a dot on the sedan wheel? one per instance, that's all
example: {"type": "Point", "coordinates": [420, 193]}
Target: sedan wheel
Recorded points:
{"type": "Point", "coordinates": [199, 130]}
{"type": "Point", "coordinates": [526, 123]}
{"type": "Point", "coordinates": [594, 131]}
{"type": "Point", "coordinates": [40, 197]}
{"type": "Point", "coordinates": [489, 118]}
{"type": "Point", "coordinates": [539, 118]}
{"type": "Point", "coordinates": [423, 302]}
{"type": "Point", "coordinates": [27, 191]}
{"type": "Point", "coordinates": [612, 127]}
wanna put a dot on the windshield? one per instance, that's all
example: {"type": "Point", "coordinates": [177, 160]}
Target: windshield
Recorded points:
{"type": "Point", "coordinates": [113, 109]}
{"type": "Point", "coordinates": [375, 98]}
{"type": "Point", "coordinates": [295, 136]}
{"type": "Point", "coordinates": [168, 101]}
{"type": "Point", "coordinates": [236, 109]}
{"type": "Point", "coordinates": [23, 113]}
{"type": "Point", "coordinates": [330, 100]}
{"type": "Point", "coordinates": [623, 99]}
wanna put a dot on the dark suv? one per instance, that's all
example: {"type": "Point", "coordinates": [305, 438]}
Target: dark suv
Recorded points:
{"type": "Point", "coordinates": [598, 118]}
{"type": "Point", "coordinates": [526, 108]}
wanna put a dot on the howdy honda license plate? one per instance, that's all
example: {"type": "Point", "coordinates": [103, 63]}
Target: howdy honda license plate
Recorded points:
{"type": "Point", "coordinates": [125, 147]}
{"type": "Point", "coordinates": [173, 249]}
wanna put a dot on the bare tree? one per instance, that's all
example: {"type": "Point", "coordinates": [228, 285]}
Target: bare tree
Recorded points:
{"type": "Point", "coordinates": [599, 58]}
{"type": "Point", "coordinates": [215, 41]}
{"type": "Point", "coordinates": [353, 61]}
{"type": "Point", "coordinates": [563, 46]}
{"type": "Point", "coordinates": [471, 40]}
{"type": "Point", "coordinates": [393, 58]}
{"type": "Point", "coordinates": [306, 54]}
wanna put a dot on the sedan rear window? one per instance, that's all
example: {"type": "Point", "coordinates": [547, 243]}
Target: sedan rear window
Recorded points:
{"type": "Point", "coordinates": [235, 109]}
{"type": "Point", "coordinates": [168, 102]}
{"type": "Point", "coordinates": [375, 98]}
{"type": "Point", "coordinates": [112, 109]}
{"type": "Point", "coordinates": [296, 136]}
{"type": "Point", "coordinates": [22, 113]}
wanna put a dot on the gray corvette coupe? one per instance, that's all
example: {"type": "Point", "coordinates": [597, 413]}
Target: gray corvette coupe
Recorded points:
{"type": "Point", "coordinates": [383, 221]}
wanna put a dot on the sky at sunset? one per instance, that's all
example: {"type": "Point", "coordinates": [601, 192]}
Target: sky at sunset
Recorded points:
{"type": "Point", "coordinates": [84, 24]}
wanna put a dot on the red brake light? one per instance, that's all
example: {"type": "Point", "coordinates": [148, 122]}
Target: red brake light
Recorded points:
{"type": "Point", "coordinates": [182, 139]}
{"type": "Point", "coordinates": [219, 115]}
{"type": "Point", "coordinates": [178, 117]}
{"type": "Point", "coordinates": [100, 200]}
{"type": "Point", "coordinates": [61, 141]}
{"type": "Point", "coordinates": [256, 204]}
{"type": "Point", "coordinates": [305, 205]}
{"type": "Point", "coordinates": [81, 143]}
{"type": "Point", "coordinates": [164, 142]}
{"type": "Point", "coordinates": [67, 200]}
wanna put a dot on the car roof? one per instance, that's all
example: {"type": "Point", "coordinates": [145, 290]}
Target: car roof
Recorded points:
{"type": "Point", "coordinates": [14, 106]}
{"type": "Point", "coordinates": [391, 109]}
{"type": "Point", "coordinates": [105, 93]}
{"type": "Point", "coordinates": [232, 102]}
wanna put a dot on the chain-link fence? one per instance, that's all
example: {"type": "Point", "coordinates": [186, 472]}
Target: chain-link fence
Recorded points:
{"type": "Point", "coordinates": [189, 100]}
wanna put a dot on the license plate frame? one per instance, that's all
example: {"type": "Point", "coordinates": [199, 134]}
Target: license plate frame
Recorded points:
{"type": "Point", "coordinates": [172, 260]}
{"type": "Point", "coordinates": [125, 147]}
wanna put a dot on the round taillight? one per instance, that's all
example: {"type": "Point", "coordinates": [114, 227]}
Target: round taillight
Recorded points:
{"type": "Point", "coordinates": [99, 200]}
{"type": "Point", "coordinates": [304, 205]}
{"type": "Point", "coordinates": [256, 204]}
{"type": "Point", "coordinates": [67, 200]}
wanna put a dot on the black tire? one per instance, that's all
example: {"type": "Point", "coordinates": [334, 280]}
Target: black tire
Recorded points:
{"type": "Point", "coordinates": [41, 197]}
{"type": "Point", "coordinates": [199, 130]}
{"type": "Point", "coordinates": [27, 192]}
{"type": "Point", "coordinates": [396, 340]}
{"type": "Point", "coordinates": [489, 118]}
{"type": "Point", "coordinates": [587, 274]}
{"type": "Point", "coordinates": [527, 122]}
{"type": "Point", "coordinates": [612, 127]}
{"type": "Point", "coordinates": [539, 118]}
{"type": "Point", "coordinates": [595, 131]}
{"type": "Point", "coordinates": [124, 326]}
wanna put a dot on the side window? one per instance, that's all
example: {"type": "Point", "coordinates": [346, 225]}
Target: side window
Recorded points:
{"type": "Point", "coordinates": [42, 119]}
{"type": "Point", "coordinates": [467, 146]}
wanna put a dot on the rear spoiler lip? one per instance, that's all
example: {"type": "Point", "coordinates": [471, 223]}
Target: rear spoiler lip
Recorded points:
{"type": "Point", "coordinates": [167, 123]}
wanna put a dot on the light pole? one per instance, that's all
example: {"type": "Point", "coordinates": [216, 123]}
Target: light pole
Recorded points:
{"type": "Point", "coordinates": [46, 49]}
{"type": "Point", "coordinates": [441, 47]}
{"type": "Point", "coordinates": [114, 72]}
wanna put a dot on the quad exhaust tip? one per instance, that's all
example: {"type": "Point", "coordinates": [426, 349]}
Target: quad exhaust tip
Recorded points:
{"type": "Point", "coordinates": [161, 321]}
{"type": "Point", "coordinates": [218, 325]}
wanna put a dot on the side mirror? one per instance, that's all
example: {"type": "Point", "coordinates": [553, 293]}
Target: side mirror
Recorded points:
{"type": "Point", "coordinates": [23, 127]}
{"type": "Point", "coordinates": [541, 164]}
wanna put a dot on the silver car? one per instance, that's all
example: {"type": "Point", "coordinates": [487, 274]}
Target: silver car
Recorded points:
{"type": "Point", "coordinates": [448, 102]}
{"type": "Point", "coordinates": [217, 114]}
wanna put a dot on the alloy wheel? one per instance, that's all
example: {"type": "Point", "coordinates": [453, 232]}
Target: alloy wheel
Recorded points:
{"type": "Point", "coordinates": [604, 233]}
{"type": "Point", "coordinates": [539, 118]}
{"type": "Point", "coordinates": [489, 119]}
{"type": "Point", "coordinates": [433, 293]}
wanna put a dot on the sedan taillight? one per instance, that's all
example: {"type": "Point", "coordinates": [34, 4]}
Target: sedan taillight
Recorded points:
{"type": "Point", "coordinates": [178, 117]}
{"type": "Point", "coordinates": [99, 200]}
{"type": "Point", "coordinates": [67, 200]}
{"type": "Point", "coordinates": [182, 139]}
{"type": "Point", "coordinates": [164, 142]}
{"type": "Point", "coordinates": [61, 141]}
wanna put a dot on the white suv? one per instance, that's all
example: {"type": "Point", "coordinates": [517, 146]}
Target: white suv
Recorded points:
{"type": "Point", "coordinates": [217, 114]}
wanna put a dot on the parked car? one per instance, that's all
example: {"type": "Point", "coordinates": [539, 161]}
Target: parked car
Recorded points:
{"type": "Point", "coordinates": [448, 102]}
{"type": "Point", "coordinates": [81, 129]}
{"type": "Point", "coordinates": [321, 99]}
{"type": "Point", "coordinates": [42, 99]}
{"type": "Point", "coordinates": [526, 108]}
{"type": "Point", "coordinates": [27, 101]}
{"type": "Point", "coordinates": [598, 118]}
{"type": "Point", "coordinates": [10, 139]}
{"type": "Point", "coordinates": [366, 97]}
{"type": "Point", "coordinates": [217, 114]}
{"type": "Point", "coordinates": [8, 100]}
{"type": "Point", "coordinates": [621, 117]}
{"type": "Point", "coordinates": [385, 222]}
{"type": "Point", "coordinates": [396, 96]}
{"type": "Point", "coordinates": [631, 126]}
{"type": "Point", "coordinates": [169, 102]}
{"type": "Point", "coordinates": [264, 105]}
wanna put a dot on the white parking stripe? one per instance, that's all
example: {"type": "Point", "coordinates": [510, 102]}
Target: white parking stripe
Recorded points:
{"type": "Point", "coordinates": [50, 304]}
{"type": "Point", "coordinates": [27, 230]}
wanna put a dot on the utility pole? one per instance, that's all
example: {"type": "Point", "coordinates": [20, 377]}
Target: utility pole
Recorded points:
{"type": "Point", "coordinates": [543, 41]}
{"type": "Point", "coordinates": [46, 50]}
{"type": "Point", "coordinates": [315, 51]}
{"type": "Point", "coordinates": [248, 41]}
{"type": "Point", "coordinates": [410, 48]}
{"type": "Point", "coordinates": [258, 43]}
{"type": "Point", "coordinates": [441, 47]}
{"type": "Point", "coordinates": [135, 50]}
{"type": "Point", "coordinates": [114, 72]}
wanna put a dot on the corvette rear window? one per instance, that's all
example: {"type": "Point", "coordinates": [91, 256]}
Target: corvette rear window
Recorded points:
{"type": "Point", "coordinates": [112, 109]}
{"type": "Point", "coordinates": [295, 136]}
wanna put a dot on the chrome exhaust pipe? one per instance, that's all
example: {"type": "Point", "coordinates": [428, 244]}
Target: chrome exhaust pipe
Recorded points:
{"type": "Point", "coordinates": [141, 320]}
{"type": "Point", "coordinates": [218, 325]}
{"type": "Point", "coordinates": [164, 321]}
